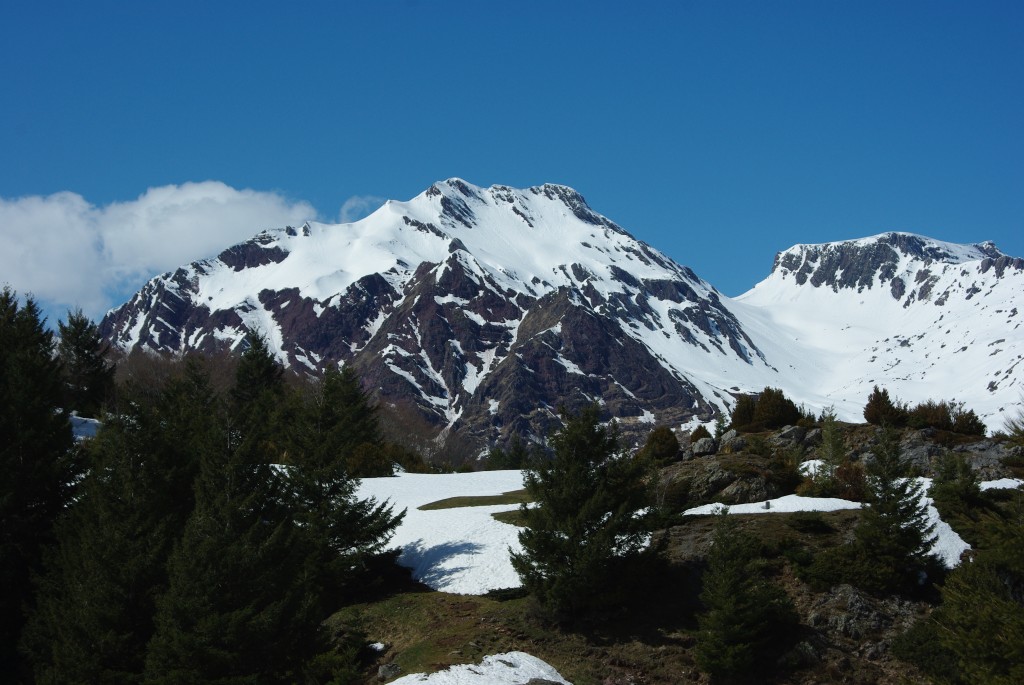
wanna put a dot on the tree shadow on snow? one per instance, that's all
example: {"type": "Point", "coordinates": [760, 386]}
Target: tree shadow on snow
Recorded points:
{"type": "Point", "coordinates": [426, 561]}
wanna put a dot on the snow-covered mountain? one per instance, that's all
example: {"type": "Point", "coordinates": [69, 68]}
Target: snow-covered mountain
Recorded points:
{"type": "Point", "coordinates": [485, 309]}
{"type": "Point", "coordinates": [920, 317]}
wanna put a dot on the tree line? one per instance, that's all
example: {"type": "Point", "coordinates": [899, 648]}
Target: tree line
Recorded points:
{"type": "Point", "coordinates": [200, 536]}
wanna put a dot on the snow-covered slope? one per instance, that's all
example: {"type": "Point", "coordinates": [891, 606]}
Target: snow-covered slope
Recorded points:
{"type": "Point", "coordinates": [922, 318]}
{"type": "Point", "coordinates": [484, 309]}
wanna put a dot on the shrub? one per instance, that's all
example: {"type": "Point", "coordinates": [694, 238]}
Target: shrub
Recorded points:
{"type": "Point", "coordinates": [661, 447]}
{"type": "Point", "coordinates": [743, 412]}
{"type": "Point", "coordinates": [773, 409]}
{"type": "Point", "coordinates": [882, 410]}
{"type": "Point", "coordinates": [699, 433]}
{"type": "Point", "coordinates": [1014, 425]}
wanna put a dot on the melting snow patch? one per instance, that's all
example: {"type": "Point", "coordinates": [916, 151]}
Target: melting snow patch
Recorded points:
{"type": "Point", "coordinates": [1002, 483]}
{"type": "Point", "coordinates": [510, 668]}
{"type": "Point", "coordinates": [463, 550]}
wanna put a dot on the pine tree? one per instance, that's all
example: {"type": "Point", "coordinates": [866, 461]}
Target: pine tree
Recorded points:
{"type": "Point", "coordinates": [773, 409]}
{"type": "Point", "coordinates": [743, 412]}
{"type": "Point", "coordinates": [592, 526]}
{"type": "Point", "coordinates": [662, 446]}
{"type": "Point", "coordinates": [342, 530]}
{"type": "Point", "coordinates": [241, 605]}
{"type": "Point", "coordinates": [97, 598]}
{"type": "Point", "coordinates": [881, 410]}
{"type": "Point", "coordinates": [833, 456]}
{"type": "Point", "coordinates": [981, 620]}
{"type": "Point", "coordinates": [36, 460]}
{"type": "Point", "coordinates": [748, 619]}
{"type": "Point", "coordinates": [516, 456]}
{"type": "Point", "coordinates": [88, 378]}
{"type": "Point", "coordinates": [894, 531]}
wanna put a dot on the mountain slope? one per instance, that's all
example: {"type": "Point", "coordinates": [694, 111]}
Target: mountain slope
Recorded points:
{"type": "Point", "coordinates": [921, 317]}
{"type": "Point", "coordinates": [484, 310]}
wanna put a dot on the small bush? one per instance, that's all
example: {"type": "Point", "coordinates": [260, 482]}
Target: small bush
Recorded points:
{"type": "Point", "coordinates": [743, 412]}
{"type": "Point", "coordinates": [947, 416]}
{"type": "Point", "coordinates": [880, 409]}
{"type": "Point", "coordinates": [699, 433]}
{"type": "Point", "coordinates": [774, 410]}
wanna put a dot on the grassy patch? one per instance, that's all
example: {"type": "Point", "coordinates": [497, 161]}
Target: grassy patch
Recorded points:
{"type": "Point", "coordinates": [511, 497]}
{"type": "Point", "coordinates": [514, 517]}
{"type": "Point", "coordinates": [429, 631]}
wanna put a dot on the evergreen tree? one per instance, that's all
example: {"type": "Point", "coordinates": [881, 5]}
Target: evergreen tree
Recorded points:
{"type": "Point", "coordinates": [773, 409]}
{"type": "Point", "coordinates": [97, 598]}
{"type": "Point", "coordinates": [981, 620]}
{"type": "Point", "coordinates": [894, 535]}
{"type": "Point", "coordinates": [36, 460]}
{"type": "Point", "coordinates": [833, 456]}
{"type": "Point", "coordinates": [592, 526]}
{"type": "Point", "coordinates": [88, 378]}
{"type": "Point", "coordinates": [881, 410]}
{"type": "Point", "coordinates": [516, 456]}
{"type": "Point", "coordinates": [342, 531]}
{"type": "Point", "coordinates": [256, 394]}
{"type": "Point", "coordinates": [662, 446]}
{"type": "Point", "coordinates": [748, 619]}
{"type": "Point", "coordinates": [241, 605]}
{"type": "Point", "coordinates": [743, 413]}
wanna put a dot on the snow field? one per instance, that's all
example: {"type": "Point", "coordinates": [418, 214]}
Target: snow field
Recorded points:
{"type": "Point", "coordinates": [463, 550]}
{"type": "Point", "coordinates": [466, 551]}
{"type": "Point", "coordinates": [510, 668]}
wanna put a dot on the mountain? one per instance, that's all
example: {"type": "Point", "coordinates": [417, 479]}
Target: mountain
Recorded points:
{"type": "Point", "coordinates": [484, 310]}
{"type": "Point", "coordinates": [921, 317]}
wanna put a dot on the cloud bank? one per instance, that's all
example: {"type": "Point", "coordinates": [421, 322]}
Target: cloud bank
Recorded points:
{"type": "Point", "coordinates": [68, 253]}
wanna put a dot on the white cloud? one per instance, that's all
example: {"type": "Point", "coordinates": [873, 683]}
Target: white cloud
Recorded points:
{"type": "Point", "coordinates": [359, 206]}
{"type": "Point", "coordinates": [68, 252]}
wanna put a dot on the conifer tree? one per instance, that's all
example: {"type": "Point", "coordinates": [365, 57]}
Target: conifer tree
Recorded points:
{"type": "Point", "coordinates": [743, 412]}
{"type": "Point", "coordinates": [773, 409]}
{"type": "Point", "coordinates": [748, 618]}
{"type": "Point", "coordinates": [592, 526]}
{"type": "Point", "coordinates": [241, 604]}
{"type": "Point", "coordinates": [97, 598]}
{"type": "Point", "coordinates": [515, 456]}
{"type": "Point", "coordinates": [662, 445]}
{"type": "Point", "coordinates": [342, 531]}
{"type": "Point", "coordinates": [881, 410]}
{"type": "Point", "coordinates": [832, 453]}
{"type": "Point", "coordinates": [36, 460]}
{"type": "Point", "coordinates": [88, 378]}
{"type": "Point", "coordinates": [981, 620]}
{"type": "Point", "coordinates": [894, 533]}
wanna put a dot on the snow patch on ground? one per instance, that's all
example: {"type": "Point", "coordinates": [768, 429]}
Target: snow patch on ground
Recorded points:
{"type": "Point", "coordinates": [463, 550]}
{"type": "Point", "coordinates": [510, 668]}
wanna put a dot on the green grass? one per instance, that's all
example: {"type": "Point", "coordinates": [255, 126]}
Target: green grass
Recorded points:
{"type": "Point", "coordinates": [430, 631]}
{"type": "Point", "coordinates": [514, 517]}
{"type": "Point", "coordinates": [511, 497]}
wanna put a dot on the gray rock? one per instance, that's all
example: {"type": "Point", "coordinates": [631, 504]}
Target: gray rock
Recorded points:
{"type": "Point", "coordinates": [704, 447]}
{"type": "Point", "coordinates": [788, 436]}
{"type": "Point", "coordinates": [732, 444]}
{"type": "Point", "coordinates": [388, 671]}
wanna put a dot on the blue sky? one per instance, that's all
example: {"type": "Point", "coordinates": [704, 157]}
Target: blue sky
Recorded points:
{"type": "Point", "coordinates": [719, 132]}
